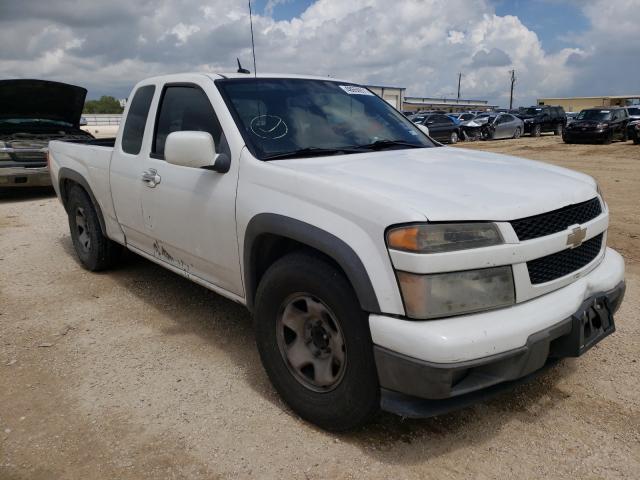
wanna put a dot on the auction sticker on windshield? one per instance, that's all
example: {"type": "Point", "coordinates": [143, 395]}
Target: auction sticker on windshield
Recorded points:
{"type": "Point", "coordinates": [353, 90]}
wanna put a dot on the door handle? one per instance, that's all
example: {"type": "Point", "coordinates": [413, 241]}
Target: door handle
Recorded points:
{"type": "Point", "coordinates": [151, 178]}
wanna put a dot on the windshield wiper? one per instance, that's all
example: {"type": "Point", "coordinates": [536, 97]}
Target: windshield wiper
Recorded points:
{"type": "Point", "coordinates": [383, 144]}
{"type": "Point", "coordinates": [311, 152]}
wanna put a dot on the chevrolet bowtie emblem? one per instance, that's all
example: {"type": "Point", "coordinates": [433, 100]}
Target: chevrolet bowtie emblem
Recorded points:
{"type": "Point", "coordinates": [575, 238]}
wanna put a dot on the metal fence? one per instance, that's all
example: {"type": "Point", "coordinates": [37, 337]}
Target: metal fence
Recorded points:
{"type": "Point", "coordinates": [102, 119]}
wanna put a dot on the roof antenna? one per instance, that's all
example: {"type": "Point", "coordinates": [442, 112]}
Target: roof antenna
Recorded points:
{"type": "Point", "coordinates": [240, 69]}
{"type": "Point", "coordinates": [253, 47]}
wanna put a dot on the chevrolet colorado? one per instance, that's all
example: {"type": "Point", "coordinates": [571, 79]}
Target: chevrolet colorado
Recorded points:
{"type": "Point", "coordinates": [382, 269]}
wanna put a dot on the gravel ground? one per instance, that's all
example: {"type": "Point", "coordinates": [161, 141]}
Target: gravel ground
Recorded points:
{"type": "Point", "coordinates": [137, 373]}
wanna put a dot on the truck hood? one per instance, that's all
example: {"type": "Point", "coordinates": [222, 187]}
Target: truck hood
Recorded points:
{"type": "Point", "coordinates": [42, 99]}
{"type": "Point", "coordinates": [450, 184]}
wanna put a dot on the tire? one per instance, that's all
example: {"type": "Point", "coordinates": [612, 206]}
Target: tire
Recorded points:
{"type": "Point", "coordinates": [95, 251]}
{"type": "Point", "coordinates": [636, 141]}
{"type": "Point", "coordinates": [558, 130]}
{"type": "Point", "coordinates": [517, 133]}
{"type": "Point", "coordinates": [608, 139]}
{"type": "Point", "coordinates": [291, 293]}
{"type": "Point", "coordinates": [537, 130]}
{"type": "Point", "coordinates": [453, 137]}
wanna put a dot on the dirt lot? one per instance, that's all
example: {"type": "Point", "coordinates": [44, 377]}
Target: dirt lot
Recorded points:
{"type": "Point", "coordinates": [139, 374]}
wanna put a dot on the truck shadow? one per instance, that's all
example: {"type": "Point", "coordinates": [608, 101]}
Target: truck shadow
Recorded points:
{"type": "Point", "coordinates": [227, 326]}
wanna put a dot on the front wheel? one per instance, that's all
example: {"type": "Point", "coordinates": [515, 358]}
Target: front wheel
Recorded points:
{"type": "Point", "coordinates": [537, 130]}
{"type": "Point", "coordinates": [315, 344]}
{"type": "Point", "coordinates": [517, 133]}
{"type": "Point", "coordinates": [453, 138]}
{"type": "Point", "coordinates": [95, 251]}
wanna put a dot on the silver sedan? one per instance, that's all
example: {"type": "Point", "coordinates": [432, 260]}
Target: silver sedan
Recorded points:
{"type": "Point", "coordinates": [499, 125]}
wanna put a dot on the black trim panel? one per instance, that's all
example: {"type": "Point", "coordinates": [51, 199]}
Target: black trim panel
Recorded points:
{"type": "Point", "coordinates": [325, 242]}
{"type": "Point", "coordinates": [67, 174]}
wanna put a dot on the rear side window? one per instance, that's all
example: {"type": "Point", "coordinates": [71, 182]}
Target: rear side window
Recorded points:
{"type": "Point", "coordinates": [137, 119]}
{"type": "Point", "coordinates": [185, 108]}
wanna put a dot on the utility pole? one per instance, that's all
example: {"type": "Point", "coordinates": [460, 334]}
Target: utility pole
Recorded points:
{"type": "Point", "coordinates": [513, 81]}
{"type": "Point", "coordinates": [459, 80]}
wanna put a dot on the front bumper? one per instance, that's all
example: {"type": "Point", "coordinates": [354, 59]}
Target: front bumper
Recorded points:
{"type": "Point", "coordinates": [578, 135]}
{"type": "Point", "coordinates": [461, 357]}
{"type": "Point", "coordinates": [25, 177]}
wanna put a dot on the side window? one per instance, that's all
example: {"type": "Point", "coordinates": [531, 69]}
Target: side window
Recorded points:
{"type": "Point", "coordinates": [616, 115]}
{"type": "Point", "coordinates": [184, 108]}
{"type": "Point", "coordinates": [443, 119]}
{"type": "Point", "coordinates": [137, 119]}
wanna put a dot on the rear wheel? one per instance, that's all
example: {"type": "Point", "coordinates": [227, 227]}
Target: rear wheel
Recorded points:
{"type": "Point", "coordinates": [453, 138]}
{"type": "Point", "coordinates": [95, 251]}
{"type": "Point", "coordinates": [315, 344]}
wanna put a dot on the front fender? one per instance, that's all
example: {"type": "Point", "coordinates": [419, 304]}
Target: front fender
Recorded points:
{"type": "Point", "coordinates": [314, 237]}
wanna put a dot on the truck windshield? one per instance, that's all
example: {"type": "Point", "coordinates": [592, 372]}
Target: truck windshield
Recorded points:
{"type": "Point", "coordinates": [533, 111]}
{"type": "Point", "coordinates": [288, 118]}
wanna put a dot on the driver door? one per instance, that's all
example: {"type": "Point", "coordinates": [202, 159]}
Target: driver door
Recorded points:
{"type": "Point", "coordinates": [189, 213]}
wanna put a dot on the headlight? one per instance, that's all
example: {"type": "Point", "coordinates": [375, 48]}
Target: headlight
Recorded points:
{"type": "Point", "coordinates": [602, 125]}
{"type": "Point", "coordinates": [443, 237]}
{"type": "Point", "coordinates": [446, 294]}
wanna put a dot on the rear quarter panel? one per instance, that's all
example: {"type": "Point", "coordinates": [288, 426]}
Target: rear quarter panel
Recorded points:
{"type": "Point", "coordinates": [91, 162]}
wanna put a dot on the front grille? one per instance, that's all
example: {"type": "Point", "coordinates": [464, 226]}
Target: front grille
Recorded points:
{"type": "Point", "coordinates": [29, 157]}
{"type": "Point", "coordinates": [557, 220]}
{"type": "Point", "coordinates": [562, 263]}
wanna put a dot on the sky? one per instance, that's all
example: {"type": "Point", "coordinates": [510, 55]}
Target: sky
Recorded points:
{"type": "Point", "coordinates": [557, 48]}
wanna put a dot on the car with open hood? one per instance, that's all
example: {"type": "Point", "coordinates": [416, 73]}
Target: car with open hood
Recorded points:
{"type": "Point", "coordinates": [33, 112]}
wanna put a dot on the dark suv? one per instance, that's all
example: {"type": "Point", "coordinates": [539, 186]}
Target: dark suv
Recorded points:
{"type": "Point", "coordinates": [603, 124]}
{"type": "Point", "coordinates": [543, 118]}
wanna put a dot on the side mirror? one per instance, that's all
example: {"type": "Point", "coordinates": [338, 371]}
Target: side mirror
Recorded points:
{"type": "Point", "coordinates": [195, 150]}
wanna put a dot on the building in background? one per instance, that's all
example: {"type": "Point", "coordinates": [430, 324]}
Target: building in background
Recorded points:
{"type": "Point", "coordinates": [416, 104]}
{"type": "Point", "coordinates": [393, 95]}
{"type": "Point", "coordinates": [575, 104]}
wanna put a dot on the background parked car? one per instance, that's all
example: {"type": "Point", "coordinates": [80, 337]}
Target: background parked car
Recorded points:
{"type": "Point", "coordinates": [493, 126]}
{"type": "Point", "coordinates": [571, 116]}
{"type": "Point", "coordinates": [633, 131]}
{"type": "Point", "coordinates": [634, 112]}
{"type": "Point", "coordinates": [441, 127]}
{"type": "Point", "coordinates": [598, 125]}
{"type": "Point", "coordinates": [543, 118]}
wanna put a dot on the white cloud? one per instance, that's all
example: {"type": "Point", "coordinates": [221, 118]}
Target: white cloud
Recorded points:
{"type": "Point", "coordinates": [418, 44]}
{"type": "Point", "coordinates": [183, 32]}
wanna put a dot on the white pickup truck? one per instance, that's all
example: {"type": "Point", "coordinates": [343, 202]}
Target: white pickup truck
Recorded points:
{"type": "Point", "coordinates": [382, 269]}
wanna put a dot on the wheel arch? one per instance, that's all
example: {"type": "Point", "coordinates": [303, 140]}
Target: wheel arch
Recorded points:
{"type": "Point", "coordinates": [270, 236]}
{"type": "Point", "coordinates": [67, 178]}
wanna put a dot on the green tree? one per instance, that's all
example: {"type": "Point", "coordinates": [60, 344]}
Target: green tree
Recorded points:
{"type": "Point", "coordinates": [106, 104]}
